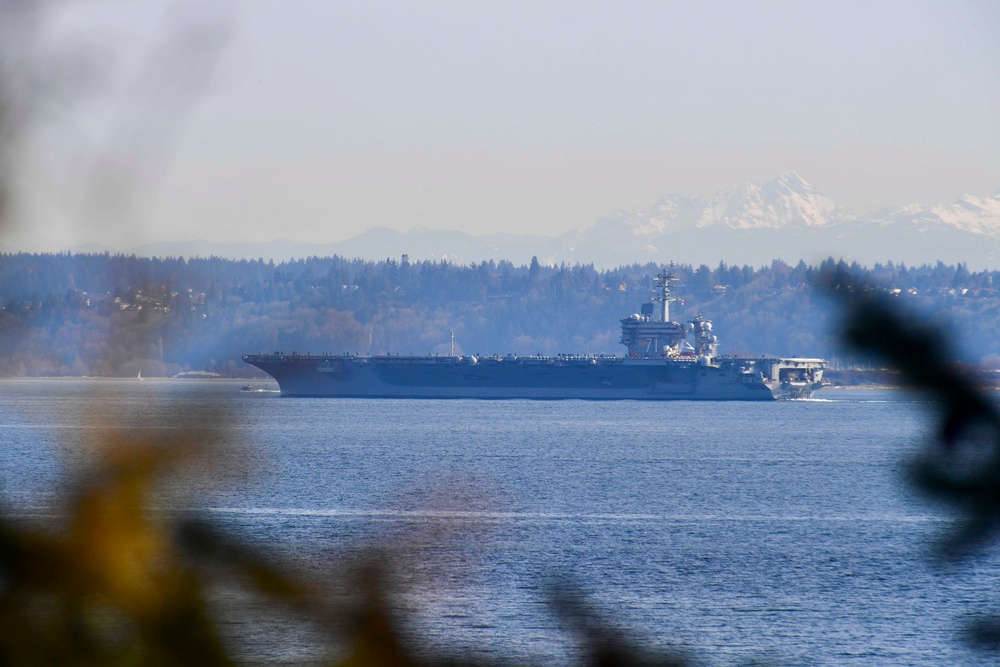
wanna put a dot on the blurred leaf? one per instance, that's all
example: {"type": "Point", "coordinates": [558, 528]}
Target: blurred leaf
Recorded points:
{"type": "Point", "coordinates": [963, 465]}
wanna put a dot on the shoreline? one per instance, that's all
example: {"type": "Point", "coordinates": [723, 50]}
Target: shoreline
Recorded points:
{"type": "Point", "coordinates": [103, 378]}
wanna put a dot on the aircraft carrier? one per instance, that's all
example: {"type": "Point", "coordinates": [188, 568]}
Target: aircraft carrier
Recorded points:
{"type": "Point", "coordinates": [665, 361]}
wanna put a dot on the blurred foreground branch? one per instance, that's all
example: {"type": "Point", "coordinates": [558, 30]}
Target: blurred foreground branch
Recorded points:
{"type": "Point", "coordinates": [107, 583]}
{"type": "Point", "coordinates": [119, 578]}
{"type": "Point", "coordinates": [961, 466]}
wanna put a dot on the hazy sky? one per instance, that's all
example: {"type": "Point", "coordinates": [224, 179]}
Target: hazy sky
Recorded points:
{"type": "Point", "coordinates": [315, 120]}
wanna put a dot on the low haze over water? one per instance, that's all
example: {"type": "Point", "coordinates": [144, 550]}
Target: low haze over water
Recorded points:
{"type": "Point", "coordinates": [773, 531]}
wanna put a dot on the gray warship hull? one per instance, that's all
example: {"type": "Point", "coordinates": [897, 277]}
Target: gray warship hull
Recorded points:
{"type": "Point", "coordinates": [544, 378]}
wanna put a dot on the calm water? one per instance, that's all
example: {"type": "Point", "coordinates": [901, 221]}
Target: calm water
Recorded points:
{"type": "Point", "coordinates": [777, 531]}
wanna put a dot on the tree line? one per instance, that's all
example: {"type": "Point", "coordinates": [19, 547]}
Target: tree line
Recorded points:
{"type": "Point", "coordinates": [117, 315]}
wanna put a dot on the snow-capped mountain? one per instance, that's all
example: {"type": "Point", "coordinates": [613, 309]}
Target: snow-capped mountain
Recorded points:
{"type": "Point", "coordinates": [976, 215]}
{"type": "Point", "coordinates": [789, 219]}
{"type": "Point", "coordinates": [786, 219]}
{"type": "Point", "coordinates": [787, 201]}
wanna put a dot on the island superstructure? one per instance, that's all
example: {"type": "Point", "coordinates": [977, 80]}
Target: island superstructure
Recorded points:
{"type": "Point", "coordinates": [665, 360]}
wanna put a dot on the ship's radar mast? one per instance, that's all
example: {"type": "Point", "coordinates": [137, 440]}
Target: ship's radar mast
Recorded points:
{"type": "Point", "coordinates": [663, 280]}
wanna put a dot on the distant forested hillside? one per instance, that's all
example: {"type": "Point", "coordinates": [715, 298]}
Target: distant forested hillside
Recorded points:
{"type": "Point", "coordinates": [114, 315]}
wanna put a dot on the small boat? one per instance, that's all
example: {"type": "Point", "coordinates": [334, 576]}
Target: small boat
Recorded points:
{"type": "Point", "coordinates": [250, 389]}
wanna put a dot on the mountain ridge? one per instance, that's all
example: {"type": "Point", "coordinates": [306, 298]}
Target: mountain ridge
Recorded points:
{"type": "Point", "coordinates": [786, 218]}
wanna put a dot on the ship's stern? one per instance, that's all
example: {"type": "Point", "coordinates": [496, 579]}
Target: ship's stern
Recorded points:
{"type": "Point", "coordinates": [794, 378]}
